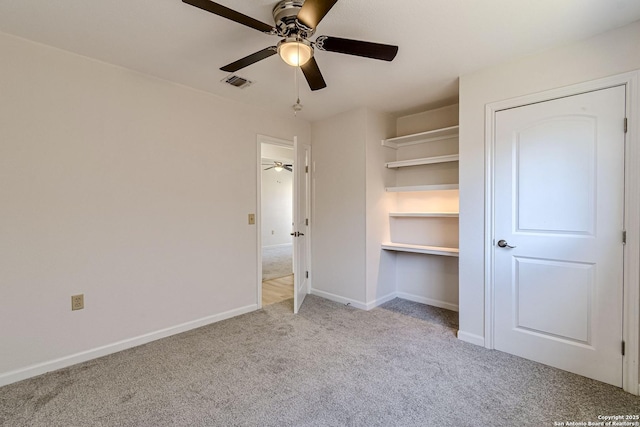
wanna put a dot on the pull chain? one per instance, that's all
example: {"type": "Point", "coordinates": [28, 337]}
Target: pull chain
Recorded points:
{"type": "Point", "coordinates": [297, 106]}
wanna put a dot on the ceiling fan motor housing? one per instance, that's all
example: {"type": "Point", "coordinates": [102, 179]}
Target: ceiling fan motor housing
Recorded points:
{"type": "Point", "coordinates": [285, 14]}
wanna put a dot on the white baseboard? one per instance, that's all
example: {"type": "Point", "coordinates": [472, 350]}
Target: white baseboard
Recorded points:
{"type": "Point", "coordinates": [63, 362]}
{"type": "Point", "coordinates": [428, 301]}
{"type": "Point", "coordinates": [471, 338]}
{"type": "Point", "coordinates": [338, 298]}
{"type": "Point", "coordinates": [381, 300]}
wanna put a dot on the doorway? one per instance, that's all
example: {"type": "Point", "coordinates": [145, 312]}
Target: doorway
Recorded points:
{"type": "Point", "coordinates": [277, 165]}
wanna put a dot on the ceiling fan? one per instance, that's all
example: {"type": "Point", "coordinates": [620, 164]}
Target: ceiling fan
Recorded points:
{"type": "Point", "coordinates": [296, 22]}
{"type": "Point", "coordinates": [278, 166]}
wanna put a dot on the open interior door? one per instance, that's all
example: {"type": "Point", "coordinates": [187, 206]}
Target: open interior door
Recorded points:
{"type": "Point", "coordinates": [300, 233]}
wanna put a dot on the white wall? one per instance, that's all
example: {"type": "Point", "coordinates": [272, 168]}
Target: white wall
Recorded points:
{"type": "Point", "coordinates": [380, 271]}
{"type": "Point", "coordinates": [339, 203]}
{"type": "Point", "coordinates": [350, 208]}
{"type": "Point", "coordinates": [614, 52]}
{"type": "Point", "coordinates": [277, 205]}
{"type": "Point", "coordinates": [277, 197]}
{"type": "Point", "coordinates": [129, 189]}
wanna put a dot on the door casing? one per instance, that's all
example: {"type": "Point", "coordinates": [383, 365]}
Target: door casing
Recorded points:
{"type": "Point", "coordinates": [631, 286]}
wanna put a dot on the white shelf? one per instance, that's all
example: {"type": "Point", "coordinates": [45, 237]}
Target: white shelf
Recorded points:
{"type": "Point", "coordinates": [420, 249]}
{"type": "Point", "coordinates": [424, 214]}
{"type": "Point", "coordinates": [422, 137]}
{"type": "Point", "coordinates": [436, 187]}
{"type": "Point", "coordinates": [423, 161]}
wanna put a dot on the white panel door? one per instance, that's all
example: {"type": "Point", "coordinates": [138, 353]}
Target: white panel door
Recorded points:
{"type": "Point", "coordinates": [301, 209]}
{"type": "Point", "coordinates": [559, 199]}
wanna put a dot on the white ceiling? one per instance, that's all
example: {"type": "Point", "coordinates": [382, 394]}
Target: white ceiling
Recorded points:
{"type": "Point", "coordinates": [439, 40]}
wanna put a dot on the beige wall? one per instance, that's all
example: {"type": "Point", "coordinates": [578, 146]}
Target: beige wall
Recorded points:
{"type": "Point", "coordinates": [611, 53]}
{"type": "Point", "coordinates": [380, 264]}
{"type": "Point", "coordinates": [350, 208]}
{"type": "Point", "coordinates": [129, 189]}
{"type": "Point", "coordinates": [338, 221]}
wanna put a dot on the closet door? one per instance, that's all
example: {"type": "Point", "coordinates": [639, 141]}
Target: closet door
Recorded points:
{"type": "Point", "coordinates": [559, 203]}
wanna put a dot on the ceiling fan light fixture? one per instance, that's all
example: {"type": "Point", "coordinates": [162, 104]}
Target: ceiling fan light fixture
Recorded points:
{"type": "Point", "coordinates": [295, 52]}
{"type": "Point", "coordinates": [278, 168]}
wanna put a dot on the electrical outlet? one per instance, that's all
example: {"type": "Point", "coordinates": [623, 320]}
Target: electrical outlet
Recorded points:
{"type": "Point", "coordinates": [273, 232]}
{"type": "Point", "coordinates": [252, 219]}
{"type": "Point", "coordinates": [77, 302]}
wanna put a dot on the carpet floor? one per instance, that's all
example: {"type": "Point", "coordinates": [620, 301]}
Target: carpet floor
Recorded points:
{"type": "Point", "coordinates": [331, 365]}
{"type": "Point", "coordinates": [277, 261]}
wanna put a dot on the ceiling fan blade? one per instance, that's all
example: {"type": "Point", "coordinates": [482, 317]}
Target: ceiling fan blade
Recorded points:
{"type": "Point", "coordinates": [231, 14]}
{"type": "Point", "coordinates": [266, 169]}
{"type": "Point", "coordinates": [288, 168]}
{"type": "Point", "coordinates": [251, 59]}
{"type": "Point", "coordinates": [313, 11]}
{"type": "Point", "coordinates": [384, 52]}
{"type": "Point", "coordinates": [313, 75]}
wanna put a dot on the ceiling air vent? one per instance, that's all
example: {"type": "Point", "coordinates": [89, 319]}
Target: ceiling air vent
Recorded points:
{"type": "Point", "coordinates": [237, 81]}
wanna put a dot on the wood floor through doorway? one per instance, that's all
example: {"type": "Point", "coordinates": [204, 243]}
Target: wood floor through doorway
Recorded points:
{"type": "Point", "coordinates": [276, 290]}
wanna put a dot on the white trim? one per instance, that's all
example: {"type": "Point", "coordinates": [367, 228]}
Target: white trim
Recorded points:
{"type": "Point", "coordinates": [337, 298]}
{"type": "Point", "coordinates": [420, 249]}
{"type": "Point", "coordinates": [631, 321]}
{"type": "Point", "coordinates": [429, 187]}
{"type": "Point", "coordinates": [489, 226]}
{"type": "Point", "coordinates": [427, 301]}
{"type": "Point", "coordinates": [422, 137]}
{"type": "Point", "coordinates": [423, 161]}
{"type": "Point", "coordinates": [260, 139]}
{"type": "Point", "coordinates": [63, 362]}
{"type": "Point", "coordinates": [379, 301]}
{"type": "Point", "coordinates": [471, 338]}
{"type": "Point", "coordinates": [382, 300]}
{"type": "Point", "coordinates": [424, 214]}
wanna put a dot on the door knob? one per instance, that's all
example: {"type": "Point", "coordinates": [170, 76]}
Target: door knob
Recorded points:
{"type": "Point", "coordinates": [504, 244]}
{"type": "Point", "coordinates": [297, 234]}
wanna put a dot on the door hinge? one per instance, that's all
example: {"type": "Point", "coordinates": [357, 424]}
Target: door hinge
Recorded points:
{"type": "Point", "coordinates": [623, 348]}
{"type": "Point", "coordinates": [306, 275]}
{"type": "Point", "coordinates": [624, 237]}
{"type": "Point", "coordinates": [306, 168]}
{"type": "Point", "coordinates": [625, 125]}
{"type": "Point", "coordinates": [306, 221]}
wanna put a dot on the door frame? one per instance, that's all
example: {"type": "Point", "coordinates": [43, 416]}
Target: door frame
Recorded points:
{"type": "Point", "coordinates": [260, 139]}
{"type": "Point", "coordinates": [631, 260]}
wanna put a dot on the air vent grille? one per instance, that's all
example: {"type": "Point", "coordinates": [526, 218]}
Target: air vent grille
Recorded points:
{"type": "Point", "coordinates": [237, 81]}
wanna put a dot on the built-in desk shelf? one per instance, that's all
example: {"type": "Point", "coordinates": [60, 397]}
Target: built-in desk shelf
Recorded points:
{"type": "Point", "coordinates": [436, 187]}
{"type": "Point", "coordinates": [423, 161]}
{"type": "Point", "coordinates": [422, 137]}
{"type": "Point", "coordinates": [421, 249]}
{"type": "Point", "coordinates": [424, 214]}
